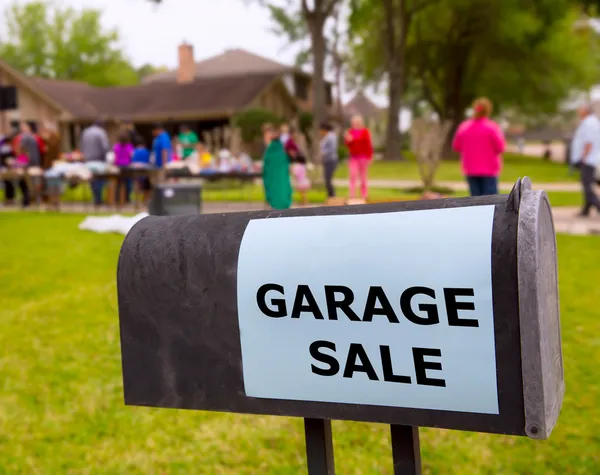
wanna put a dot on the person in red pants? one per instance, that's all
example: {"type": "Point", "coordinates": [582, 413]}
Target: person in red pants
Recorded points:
{"type": "Point", "coordinates": [358, 141]}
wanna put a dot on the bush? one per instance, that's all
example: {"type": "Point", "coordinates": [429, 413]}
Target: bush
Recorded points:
{"type": "Point", "coordinates": [250, 122]}
{"type": "Point", "coordinates": [342, 152]}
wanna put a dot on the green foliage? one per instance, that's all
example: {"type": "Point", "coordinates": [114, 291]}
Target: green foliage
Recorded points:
{"type": "Point", "coordinates": [48, 41]}
{"type": "Point", "coordinates": [251, 121]}
{"type": "Point", "coordinates": [522, 54]}
{"type": "Point", "coordinates": [305, 122]}
{"type": "Point", "coordinates": [149, 69]}
{"type": "Point", "coordinates": [528, 59]}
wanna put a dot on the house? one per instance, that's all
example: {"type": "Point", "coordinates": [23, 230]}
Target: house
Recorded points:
{"type": "Point", "coordinates": [203, 95]}
{"type": "Point", "coordinates": [239, 62]}
{"type": "Point", "coordinates": [374, 116]}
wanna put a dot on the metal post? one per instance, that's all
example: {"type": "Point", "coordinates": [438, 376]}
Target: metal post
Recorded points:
{"type": "Point", "coordinates": [319, 447]}
{"type": "Point", "coordinates": [406, 450]}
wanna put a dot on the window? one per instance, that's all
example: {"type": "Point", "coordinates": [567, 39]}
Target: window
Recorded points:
{"type": "Point", "coordinates": [301, 86]}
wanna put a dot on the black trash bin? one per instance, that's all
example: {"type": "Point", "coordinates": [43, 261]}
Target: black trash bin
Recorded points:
{"type": "Point", "coordinates": [176, 199]}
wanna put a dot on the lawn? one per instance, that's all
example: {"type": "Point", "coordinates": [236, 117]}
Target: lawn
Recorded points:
{"type": "Point", "coordinates": [234, 192]}
{"type": "Point", "coordinates": [61, 402]}
{"type": "Point", "coordinates": [515, 166]}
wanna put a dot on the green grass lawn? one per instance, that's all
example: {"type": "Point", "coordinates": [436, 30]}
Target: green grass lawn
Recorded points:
{"type": "Point", "coordinates": [234, 192]}
{"type": "Point", "coordinates": [61, 400]}
{"type": "Point", "coordinates": [515, 166]}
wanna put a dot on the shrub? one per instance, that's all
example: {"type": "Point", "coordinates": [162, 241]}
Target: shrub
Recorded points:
{"type": "Point", "coordinates": [250, 122]}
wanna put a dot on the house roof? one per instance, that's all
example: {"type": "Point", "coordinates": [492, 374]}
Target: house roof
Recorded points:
{"type": "Point", "coordinates": [361, 104]}
{"type": "Point", "coordinates": [231, 62]}
{"type": "Point", "coordinates": [156, 100]}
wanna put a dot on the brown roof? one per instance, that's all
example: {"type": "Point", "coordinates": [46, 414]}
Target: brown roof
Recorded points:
{"type": "Point", "coordinates": [161, 99]}
{"type": "Point", "coordinates": [361, 104]}
{"type": "Point", "coordinates": [72, 95]}
{"type": "Point", "coordinates": [231, 62]}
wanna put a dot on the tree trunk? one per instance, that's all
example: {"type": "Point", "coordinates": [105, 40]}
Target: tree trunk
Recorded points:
{"type": "Point", "coordinates": [393, 141]}
{"type": "Point", "coordinates": [394, 39]}
{"type": "Point", "coordinates": [319, 107]}
{"type": "Point", "coordinates": [447, 152]}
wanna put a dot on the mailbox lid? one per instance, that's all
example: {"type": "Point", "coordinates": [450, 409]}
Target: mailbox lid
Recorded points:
{"type": "Point", "coordinates": [543, 373]}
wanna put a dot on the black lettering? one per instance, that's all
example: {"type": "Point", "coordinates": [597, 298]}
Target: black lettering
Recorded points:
{"type": "Point", "coordinates": [452, 307]}
{"type": "Point", "coordinates": [388, 371]}
{"type": "Point", "coordinates": [377, 294]}
{"type": "Point", "coordinates": [311, 304]}
{"type": "Point", "coordinates": [344, 305]}
{"type": "Point", "coordinates": [334, 366]}
{"type": "Point", "coordinates": [357, 352]}
{"type": "Point", "coordinates": [421, 366]}
{"type": "Point", "coordinates": [279, 304]}
{"type": "Point", "coordinates": [431, 310]}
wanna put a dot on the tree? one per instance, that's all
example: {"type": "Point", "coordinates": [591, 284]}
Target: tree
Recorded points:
{"type": "Point", "coordinates": [383, 56]}
{"type": "Point", "coordinates": [62, 43]}
{"type": "Point", "coordinates": [251, 121]}
{"type": "Point", "coordinates": [528, 59]}
{"type": "Point", "coordinates": [296, 32]}
{"type": "Point", "coordinates": [149, 69]}
{"type": "Point", "coordinates": [296, 20]}
{"type": "Point", "coordinates": [427, 142]}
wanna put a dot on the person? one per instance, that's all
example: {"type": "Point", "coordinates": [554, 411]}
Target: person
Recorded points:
{"type": "Point", "coordinates": [29, 154]}
{"type": "Point", "coordinates": [301, 180]}
{"type": "Point", "coordinates": [329, 156]}
{"type": "Point", "coordinates": [285, 133]}
{"type": "Point", "coordinates": [360, 147]}
{"type": "Point", "coordinates": [161, 146]}
{"type": "Point", "coordinates": [521, 145]}
{"type": "Point", "coordinates": [480, 142]}
{"type": "Point", "coordinates": [129, 130]}
{"type": "Point", "coordinates": [175, 150]}
{"type": "Point", "coordinates": [141, 159]}
{"type": "Point", "coordinates": [276, 171]}
{"type": "Point", "coordinates": [290, 145]}
{"type": "Point", "coordinates": [94, 146]}
{"type": "Point", "coordinates": [585, 153]}
{"type": "Point", "coordinates": [205, 159]}
{"type": "Point", "coordinates": [123, 151]}
{"type": "Point", "coordinates": [188, 140]}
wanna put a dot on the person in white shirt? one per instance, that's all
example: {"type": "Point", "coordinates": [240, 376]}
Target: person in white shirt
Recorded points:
{"type": "Point", "coordinates": [585, 151]}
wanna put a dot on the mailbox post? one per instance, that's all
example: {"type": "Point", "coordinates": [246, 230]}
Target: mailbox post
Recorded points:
{"type": "Point", "coordinates": [432, 313]}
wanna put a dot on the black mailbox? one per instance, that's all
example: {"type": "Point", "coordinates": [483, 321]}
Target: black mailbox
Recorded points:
{"type": "Point", "coordinates": [438, 313]}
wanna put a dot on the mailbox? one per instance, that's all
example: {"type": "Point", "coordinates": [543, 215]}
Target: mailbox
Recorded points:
{"type": "Point", "coordinates": [439, 313]}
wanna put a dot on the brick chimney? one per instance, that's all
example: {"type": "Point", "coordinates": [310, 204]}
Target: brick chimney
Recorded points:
{"type": "Point", "coordinates": [186, 69]}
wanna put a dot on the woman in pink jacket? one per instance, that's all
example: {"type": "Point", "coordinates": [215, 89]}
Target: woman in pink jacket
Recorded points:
{"type": "Point", "coordinates": [480, 142]}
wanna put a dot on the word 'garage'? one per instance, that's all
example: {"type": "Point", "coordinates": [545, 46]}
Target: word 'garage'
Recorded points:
{"type": "Point", "coordinates": [340, 303]}
{"type": "Point", "coordinates": [339, 300]}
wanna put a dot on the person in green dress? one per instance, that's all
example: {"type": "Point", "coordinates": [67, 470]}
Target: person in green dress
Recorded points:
{"type": "Point", "coordinates": [188, 140]}
{"type": "Point", "coordinates": [276, 171]}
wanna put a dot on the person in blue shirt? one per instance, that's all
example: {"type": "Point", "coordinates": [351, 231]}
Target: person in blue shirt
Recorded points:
{"type": "Point", "coordinates": [141, 159]}
{"type": "Point", "coordinates": [585, 153]}
{"type": "Point", "coordinates": [161, 146]}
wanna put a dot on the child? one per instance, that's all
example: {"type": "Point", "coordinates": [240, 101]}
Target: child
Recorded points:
{"type": "Point", "coordinates": [301, 180]}
{"type": "Point", "coordinates": [141, 159]}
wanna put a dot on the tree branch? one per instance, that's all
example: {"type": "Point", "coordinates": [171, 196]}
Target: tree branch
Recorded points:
{"type": "Point", "coordinates": [328, 8]}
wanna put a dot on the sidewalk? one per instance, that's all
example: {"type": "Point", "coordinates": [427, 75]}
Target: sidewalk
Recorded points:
{"type": "Point", "coordinates": [565, 218]}
{"type": "Point", "coordinates": [460, 185]}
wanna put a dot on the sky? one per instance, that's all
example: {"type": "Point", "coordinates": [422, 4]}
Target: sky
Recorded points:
{"type": "Point", "coordinates": [151, 33]}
